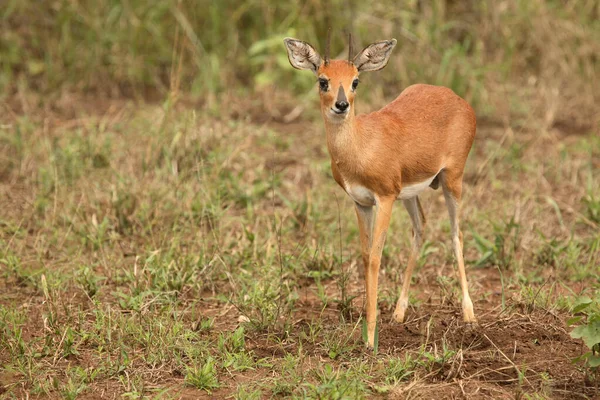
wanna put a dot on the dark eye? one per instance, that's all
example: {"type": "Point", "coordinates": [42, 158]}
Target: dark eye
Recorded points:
{"type": "Point", "coordinates": [354, 84]}
{"type": "Point", "coordinates": [323, 84]}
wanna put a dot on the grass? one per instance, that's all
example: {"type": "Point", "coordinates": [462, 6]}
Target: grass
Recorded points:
{"type": "Point", "coordinates": [170, 227]}
{"type": "Point", "coordinates": [204, 255]}
{"type": "Point", "coordinates": [507, 60]}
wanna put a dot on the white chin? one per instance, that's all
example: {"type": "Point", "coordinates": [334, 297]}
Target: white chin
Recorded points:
{"type": "Point", "coordinates": [335, 116]}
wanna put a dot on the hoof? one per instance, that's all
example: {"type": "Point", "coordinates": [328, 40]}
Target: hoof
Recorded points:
{"type": "Point", "coordinates": [399, 316]}
{"type": "Point", "coordinates": [468, 314]}
{"type": "Point", "coordinates": [400, 310]}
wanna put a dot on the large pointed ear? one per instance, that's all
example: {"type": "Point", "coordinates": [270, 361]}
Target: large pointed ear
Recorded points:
{"type": "Point", "coordinates": [375, 56]}
{"type": "Point", "coordinates": [302, 55]}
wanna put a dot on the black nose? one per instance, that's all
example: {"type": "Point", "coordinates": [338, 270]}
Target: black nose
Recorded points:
{"type": "Point", "coordinates": [341, 105]}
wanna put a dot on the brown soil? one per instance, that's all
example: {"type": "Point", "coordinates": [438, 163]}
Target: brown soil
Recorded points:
{"type": "Point", "coordinates": [508, 352]}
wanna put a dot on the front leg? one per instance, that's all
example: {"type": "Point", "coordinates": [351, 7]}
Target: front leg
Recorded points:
{"type": "Point", "coordinates": [382, 221]}
{"type": "Point", "coordinates": [364, 215]}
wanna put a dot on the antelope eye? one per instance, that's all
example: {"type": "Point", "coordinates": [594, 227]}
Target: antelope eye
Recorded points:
{"type": "Point", "coordinates": [354, 84]}
{"type": "Point", "coordinates": [323, 84]}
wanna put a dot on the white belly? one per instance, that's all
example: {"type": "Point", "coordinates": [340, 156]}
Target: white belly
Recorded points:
{"type": "Point", "coordinates": [414, 189]}
{"type": "Point", "coordinates": [366, 197]}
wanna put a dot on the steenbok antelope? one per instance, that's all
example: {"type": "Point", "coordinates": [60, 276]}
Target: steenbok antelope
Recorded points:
{"type": "Point", "coordinates": [419, 140]}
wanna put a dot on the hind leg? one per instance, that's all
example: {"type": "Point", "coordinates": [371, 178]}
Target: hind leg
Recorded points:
{"type": "Point", "coordinates": [452, 186]}
{"type": "Point", "coordinates": [413, 206]}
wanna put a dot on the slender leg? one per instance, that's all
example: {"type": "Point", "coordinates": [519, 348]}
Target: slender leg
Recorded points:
{"type": "Point", "coordinates": [413, 206]}
{"type": "Point", "coordinates": [382, 222]}
{"type": "Point", "coordinates": [365, 227]}
{"type": "Point", "coordinates": [452, 192]}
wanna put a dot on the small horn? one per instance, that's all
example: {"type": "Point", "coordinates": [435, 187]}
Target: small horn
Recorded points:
{"type": "Point", "coordinates": [327, 45]}
{"type": "Point", "coordinates": [350, 50]}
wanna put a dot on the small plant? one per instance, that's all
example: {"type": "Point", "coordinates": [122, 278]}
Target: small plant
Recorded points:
{"type": "Point", "coordinates": [266, 303]}
{"type": "Point", "coordinates": [78, 380]}
{"type": "Point", "coordinates": [588, 329]}
{"type": "Point", "coordinates": [434, 360]}
{"type": "Point", "coordinates": [334, 384]}
{"type": "Point", "coordinates": [551, 251]}
{"type": "Point", "coordinates": [338, 343]}
{"type": "Point", "coordinates": [69, 343]}
{"type": "Point", "coordinates": [98, 233]}
{"type": "Point", "coordinates": [11, 332]}
{"type": "Point", "coordinates": [241, 361]}
{"type": "Point", "coordinates": [204, 377]}
{"type": "Point", "coordinates": [133, 302]}
{"type": "Point", "coordinates": [399, 369]}
{"type": "Point", "coordinates": [345, 301]}
{"type": "Point", "coordinates": [164, 273]}
{"type": "Point", "coordinates": [72, 389]}
{"type": "Point", "coordinates": [592, 207]}
{"type": "Point", "coordinates": [89, 281]}
{"type": "Point", "coordinates": [500, 252]}
{"type": "Point", "coordinates": [246, 393]}
{"type": "Point", "coordinates": [234, 342]}
{"type": "Point", "coordinates": [205, 324]}
{"type": "Point", "coordinates": [134, 386]}
{"type": "Point", "coordinates": [233, 348]}
{"type": "Point", "coordinates": [290, 377]}
{"type": "Point", "coordinates": [12, 267]}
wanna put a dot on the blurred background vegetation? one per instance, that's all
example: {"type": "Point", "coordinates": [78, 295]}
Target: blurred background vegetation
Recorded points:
{"type": "Point", "coordinates": [149, 194]}
{"type": "Point", "coordinates": [511, 59]}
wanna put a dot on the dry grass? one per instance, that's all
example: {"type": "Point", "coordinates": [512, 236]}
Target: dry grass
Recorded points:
{"type": "Point", "coordinates": [136, 240]}
{"type": "Point", "coordinates": [200, 247]}
{"type": "Point", "coordinates": [512, 60]}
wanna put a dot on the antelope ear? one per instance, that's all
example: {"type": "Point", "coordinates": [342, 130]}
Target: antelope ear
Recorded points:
{"type": "Point", "coordinates": [302, 55]}
{"type": "Point", "coordinates": [375, 56]}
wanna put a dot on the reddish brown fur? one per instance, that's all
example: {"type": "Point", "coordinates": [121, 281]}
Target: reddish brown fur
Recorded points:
{"type": "Point", "coordinates": [424, 129]}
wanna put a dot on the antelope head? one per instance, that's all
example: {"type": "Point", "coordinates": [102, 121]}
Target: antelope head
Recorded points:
{"type": "Point", "coordinates": [338, 79]}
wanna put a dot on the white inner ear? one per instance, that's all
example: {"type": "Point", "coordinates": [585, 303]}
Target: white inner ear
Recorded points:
{"type": "Point", "coordinates": [302, 55]}
{"type": "Point", "coordinates": [375, 56]}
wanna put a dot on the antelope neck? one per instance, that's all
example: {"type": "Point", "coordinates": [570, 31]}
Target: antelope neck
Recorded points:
{"type": "Point", "coordinates": [343, 140]}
